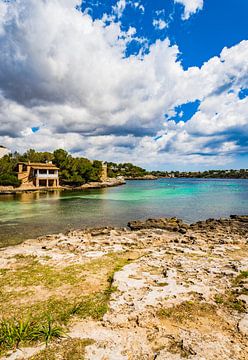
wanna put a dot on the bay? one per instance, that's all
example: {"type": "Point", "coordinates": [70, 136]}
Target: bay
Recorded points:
{"type": "Point", "coordinates": [29, 215]}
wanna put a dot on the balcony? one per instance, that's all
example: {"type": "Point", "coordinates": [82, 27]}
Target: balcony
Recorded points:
{"type": "Point", "coordinates": [46, 176]}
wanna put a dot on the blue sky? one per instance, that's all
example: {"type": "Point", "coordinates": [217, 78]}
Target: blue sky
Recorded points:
{"type": "Point", "coordinates": [221, 23]}
{"type": "Point", "coordinates": [161, 83]}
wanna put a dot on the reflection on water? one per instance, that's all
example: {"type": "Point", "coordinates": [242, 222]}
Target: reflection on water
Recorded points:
{"type": "Point", "coordinates": [32, 214]}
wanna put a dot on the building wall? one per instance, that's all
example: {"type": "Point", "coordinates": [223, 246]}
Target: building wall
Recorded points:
{"type": "Point", "coordinates": [26, 175]}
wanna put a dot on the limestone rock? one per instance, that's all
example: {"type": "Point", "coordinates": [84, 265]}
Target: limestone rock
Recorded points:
{"type": "Point", "coordinates": [243, 325]}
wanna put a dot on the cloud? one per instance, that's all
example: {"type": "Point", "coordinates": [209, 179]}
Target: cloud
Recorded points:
{"type": "Point", "coordinates": [159, 24]}
{"type": "Point", "coordinates": [190, 7]}
{"type": "Point", "coordinates": [69, 76]}
{"type": "Point", "coordinates": [119, 8]}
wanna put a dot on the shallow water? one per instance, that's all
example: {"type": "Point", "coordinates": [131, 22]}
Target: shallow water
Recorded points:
{"type": "Point", "coordinates": [25, 216]}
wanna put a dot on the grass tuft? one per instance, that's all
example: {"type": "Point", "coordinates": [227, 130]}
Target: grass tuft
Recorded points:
{"type": "Point", "coordinates": [230, 298]}
{"type": "Point", "coordinates": [48, 318]}
{"type": "Point", "coordinates": [14, 333]}
{"type": "Point", "coordinates": [187, 310]}
{"type": "Point", "coordinates": [69, 349]}
{"type": "Point", "coordinates": [47, 331]}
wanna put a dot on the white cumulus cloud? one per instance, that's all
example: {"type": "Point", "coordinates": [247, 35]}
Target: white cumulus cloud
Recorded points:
{"type": "Point", "coordinates": [190, 7]}
{"type": "Point", "coordinates": [68, 75]}
{"type": "Point", "coordinates": [159, 24]}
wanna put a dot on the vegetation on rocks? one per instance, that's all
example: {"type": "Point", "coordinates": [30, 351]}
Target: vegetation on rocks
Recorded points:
{"type": "Point", "coordinates": [231, 299]}
{"type": "Point", "coordinates": [146, 293]}
{"type": "Point", "coordinates": [69, 349]}
{"type": "Point", "coordinates": [68, 291]}
{"type": "Point", "coordinates": [14, 333]}
{"type": "Point", "coordinates": [126, 170]}
{"type": "Point", "coordinates": [208, 174]}
{"type": "Point", "coordinates": [187, 311]}
{"type": "Point", "coordinates": [8, 175]}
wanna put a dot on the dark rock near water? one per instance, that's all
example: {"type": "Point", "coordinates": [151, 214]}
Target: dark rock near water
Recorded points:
{"type": "Point", "coordinates": [235, 224]}
{"type": "Point", "coordinates": [170, 224]}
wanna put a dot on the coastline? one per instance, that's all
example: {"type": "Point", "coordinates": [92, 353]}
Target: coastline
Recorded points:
{"type": "Point", "coordinates": [145, 177]}
{"type": "Point", "coordinates": [5, 190]}
{"type": "Point", "coordinates": [159, 288]}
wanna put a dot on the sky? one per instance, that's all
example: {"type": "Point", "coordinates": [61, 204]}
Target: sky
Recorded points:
{"type": "Point", "coordinates": [161, 83]}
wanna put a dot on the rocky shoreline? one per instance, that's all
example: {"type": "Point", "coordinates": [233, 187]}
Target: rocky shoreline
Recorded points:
{"type": "Point", "coordinates": [111, 182]}
{"type": "Point", "coordinates": [145, 177]}
{"type": "Point", "coordinates": [175, 290]}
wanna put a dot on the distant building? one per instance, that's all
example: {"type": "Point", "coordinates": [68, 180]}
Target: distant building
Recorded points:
{"type": "Point", "coordinates": [104, 173]}
{"type": "Point", "coordinates": [3, 151]}
{"type": "Point", "coordinates": [39, 174]}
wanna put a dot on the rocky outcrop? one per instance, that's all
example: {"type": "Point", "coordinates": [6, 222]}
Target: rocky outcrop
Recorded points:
{"type": "Point", "coordinates": [145, 177]}
{"type": "Point", "coordinates": [235, 224]}
{"type": "Point", "coordinates": [103, 184]}
{"type": "Point", "coordinates": [111, 182]}
{"type": "Point", "coordinates": [170, 224]}
{"type": "Point", "coordinates": [183, 295]}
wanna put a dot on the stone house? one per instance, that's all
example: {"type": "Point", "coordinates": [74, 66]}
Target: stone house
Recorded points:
{"type": "Point", "coordinates": [39, 174]}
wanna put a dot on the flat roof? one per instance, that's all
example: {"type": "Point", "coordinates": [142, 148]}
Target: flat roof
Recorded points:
{"type": "Point", "coordinates": [45, 166]}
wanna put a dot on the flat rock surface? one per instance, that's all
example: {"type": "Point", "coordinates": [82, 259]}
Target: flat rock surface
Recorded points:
{"type": "Point", "coordinates": [185, 296]}
{"type": "Point", "coordinates": [243, 325]}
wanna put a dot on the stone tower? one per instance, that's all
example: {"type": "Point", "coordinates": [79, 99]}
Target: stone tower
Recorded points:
{"type": "Point", "coordinates": [104, 173]}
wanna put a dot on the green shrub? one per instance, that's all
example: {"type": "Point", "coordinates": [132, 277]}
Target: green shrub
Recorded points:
{"type": "Point", "coordinates": [9, 180]}
{"type": "Point", "coordinates": [13, 332]}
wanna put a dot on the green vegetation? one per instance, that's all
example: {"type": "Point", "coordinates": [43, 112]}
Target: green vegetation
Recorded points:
{"type": "Point", "coordinates": [8, 175]}
{"type": "Point", "coordinates": [69, 349]}
{"type": "Point", "coordinates": [9, 180]}
{"type": "Point", "coordinates": [38, 301]}
{"type": "Point", "coordinates": [220, 174]}
{"type": "Point", "coordinates": [129, 170]}
{"type": "Point", "coordinates": [31, 273]}
{"type": "Point", "coordinates": [74, 171]}
{"type": "Point", "coordinates": [126, 170]}
{"type": "Point", "coordinates": [230, 299]}
{"type": "Point", "coordinates": [187, 311]}
{"type": "Point", "coordinates": [47, 331]}
{"type": "Point", "coordinates": [14, 333]}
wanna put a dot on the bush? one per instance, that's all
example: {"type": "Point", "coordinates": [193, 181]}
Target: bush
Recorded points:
{"type": "Point", "coordinates": [9, 180]}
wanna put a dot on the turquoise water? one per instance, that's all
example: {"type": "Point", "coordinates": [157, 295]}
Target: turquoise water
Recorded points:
{"type": "Point", "coordinates": [29, 215]}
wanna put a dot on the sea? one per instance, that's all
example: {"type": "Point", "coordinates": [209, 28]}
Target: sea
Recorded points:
{"type": "Point", "coordinates": [28, 215]}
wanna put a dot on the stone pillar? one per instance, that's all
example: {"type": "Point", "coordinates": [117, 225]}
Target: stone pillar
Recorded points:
{"type": "Point", "coordinates": [20, 168]}
{"type": "Point", "coordinates": [47, 184]}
